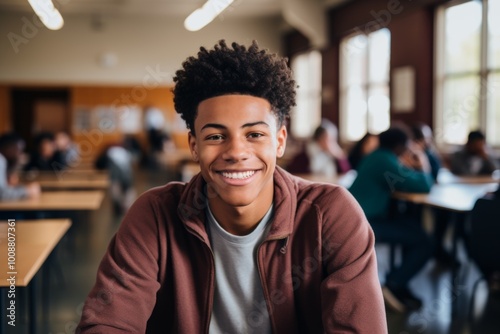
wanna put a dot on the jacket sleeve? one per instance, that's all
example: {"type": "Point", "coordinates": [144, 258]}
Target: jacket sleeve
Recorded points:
{"type": "Point", "coordinates": [124, 294]}
{"type": "Point", "coordinates": [401, 178]}
{"type": "Point", "coordinates": [351, 294]}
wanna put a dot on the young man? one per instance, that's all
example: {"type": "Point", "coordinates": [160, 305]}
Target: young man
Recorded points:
{"type": "Point", "coordinates": [473, 159]}
{"type": "Point", "coordinates": [11, 148]}
{"type": "Point", "coordinates": [393, 166]}
{"type": "Point", "coordinates": [244, 247]}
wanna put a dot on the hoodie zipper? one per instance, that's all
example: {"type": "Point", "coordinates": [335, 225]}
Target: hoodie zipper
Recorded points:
{"type": "Point", "coordinates": [211, 294]}
{"type": "Point", "coordinates": [267, 298]}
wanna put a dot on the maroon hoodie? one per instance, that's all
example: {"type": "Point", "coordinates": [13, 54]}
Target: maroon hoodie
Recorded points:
{"type": "Point", "coordinates": [317, 265]}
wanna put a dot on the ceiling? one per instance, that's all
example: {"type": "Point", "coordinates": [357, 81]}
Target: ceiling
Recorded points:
{"type": "Point", "coordinates": [169, 8]}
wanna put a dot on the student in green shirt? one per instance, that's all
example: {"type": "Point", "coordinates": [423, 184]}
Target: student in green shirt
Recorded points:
{"type": "Point", "coordinates": [394, 166]}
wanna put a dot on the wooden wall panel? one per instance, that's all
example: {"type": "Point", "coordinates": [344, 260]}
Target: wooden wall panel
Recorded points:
{"type": "Point", "coordinates": [412, 45]}
{"type": "Point", "coordinates": [5, 120]}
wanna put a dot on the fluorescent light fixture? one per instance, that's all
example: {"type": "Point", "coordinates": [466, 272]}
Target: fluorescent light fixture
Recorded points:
{"type": "Point", "coordinates": [47, 13]}
{"type": "Point", "coordinates": [204, 15]}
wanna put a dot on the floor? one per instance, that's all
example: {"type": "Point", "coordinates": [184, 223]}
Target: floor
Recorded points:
{"type": "Point", "coordinates": [81, 250]}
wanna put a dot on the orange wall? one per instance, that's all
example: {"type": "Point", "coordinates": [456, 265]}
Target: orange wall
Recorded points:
{"type": "Point", "coordinates": [89, 97]}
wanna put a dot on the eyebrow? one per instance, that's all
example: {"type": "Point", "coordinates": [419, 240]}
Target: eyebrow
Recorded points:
{"type": "Point", "coordinates": [223, 127]}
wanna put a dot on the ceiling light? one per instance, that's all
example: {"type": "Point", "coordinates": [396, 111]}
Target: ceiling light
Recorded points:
{"type": "Point", "coordinates": [47, 13]}
{"type": "Point", "coordinates": [204, 15]}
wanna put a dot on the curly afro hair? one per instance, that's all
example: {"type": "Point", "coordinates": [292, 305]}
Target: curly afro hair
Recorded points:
{"type": "Point", "coordinates": [235, 70]}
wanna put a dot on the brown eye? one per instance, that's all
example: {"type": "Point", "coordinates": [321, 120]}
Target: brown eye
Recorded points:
{"type": "Point", "coordinates": [215, 137]}
{"type": "Point", "coordinates": [255, 135]}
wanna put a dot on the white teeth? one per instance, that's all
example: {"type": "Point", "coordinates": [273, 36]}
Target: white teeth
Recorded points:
{"type": "Point", "coordinates": [239, 175]}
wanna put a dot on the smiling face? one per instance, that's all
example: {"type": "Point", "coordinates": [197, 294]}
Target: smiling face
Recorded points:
{"type": "Point", "coordinates": [237, 142]}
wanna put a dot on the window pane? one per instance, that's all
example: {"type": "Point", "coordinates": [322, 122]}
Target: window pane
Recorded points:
{"type": "Point", "coordinates": [378, 109]}
{"type": "Point", "coordinates": [494, 34]}
{"type": "Point", "coordinates": [461, 104]}
{"type": "Point", "coordinates": [354, 113]}
{"type": "Point", "coordinates": [307, 114]}
{"type": "Point", "coordinates": [493, 124]}
{"type": "Point", "coordinates": [353, 51]}
{"type": "Point", "coordinates": [379, 55]}
{"type": "Point", "coordinates": [463, 37]}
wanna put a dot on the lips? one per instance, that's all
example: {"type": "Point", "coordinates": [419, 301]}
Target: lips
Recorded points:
{"type": "Point", "coordinates": [238, 175]}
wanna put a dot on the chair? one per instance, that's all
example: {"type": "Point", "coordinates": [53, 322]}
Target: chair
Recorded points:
{"type": "Point", "coordinates": [484, 242]}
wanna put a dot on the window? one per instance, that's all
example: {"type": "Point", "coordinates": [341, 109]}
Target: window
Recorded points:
{"type": "Point", "coordinates": [364, 84]}
{"type": "Point", "coordinates": [306, 116]}
{"type": "Point", "coordinates": [468, 71]}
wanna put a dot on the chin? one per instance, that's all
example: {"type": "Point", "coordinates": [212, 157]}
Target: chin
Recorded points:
{"type": "Point", "coordinates": [236, 200]}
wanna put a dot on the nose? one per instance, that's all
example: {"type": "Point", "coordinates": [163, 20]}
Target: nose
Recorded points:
{"type": "Point", "coordinates": [236, 149]}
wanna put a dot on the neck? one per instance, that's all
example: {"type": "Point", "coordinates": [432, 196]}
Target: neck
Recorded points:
{"type": "Point", "coordinates": [238, 220]}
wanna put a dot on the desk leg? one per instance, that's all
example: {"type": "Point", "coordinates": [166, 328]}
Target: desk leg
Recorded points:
{"type": "Point", "coordinates": [454, 269]}
{"type": "Point", "coordinates": [46, 291]}
{"type": "Point", "coordinates": [32, 301]}
{"type": "Point", "coordinates": [458, 220]}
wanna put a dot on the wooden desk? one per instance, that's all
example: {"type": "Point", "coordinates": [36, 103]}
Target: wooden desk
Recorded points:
{"type": "Point", "coordinates": [35, 240]}
{"type": "Point", "coordinates": [457, 197]}
{"type": "Point", "coordinates": [68, 174]}
{"type": "Point", "coordinates": [57, 201]}
{"type": "Point", "coordinates": [73, 184]}
{"type": "Point", "coordinates": [80, 180]}
{"type": "Point", "coordinates": [446, 177]}
{"type": "Point", "coordinates": [69, 179]}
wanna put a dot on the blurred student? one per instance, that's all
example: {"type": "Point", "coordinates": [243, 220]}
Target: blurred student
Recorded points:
{"type": "Point", "coordinates": [118, 161]}
{"type": "Point", "coordinates": [380, 174]}
{"type": "Point", "coordinates": [423, 138]}
{"type": "Point", "coordinates": [67, 149]}
{"type": "Point", "coordinates": [322, 155]}
{"type": "Point", "coordinates": [11, 149]}
{"type": "Point", "coordinates": [362, 148]}
{"type": "Point", "coordinates": [45, 157]}
{"type": "Point", "coordinates": [473, 159]}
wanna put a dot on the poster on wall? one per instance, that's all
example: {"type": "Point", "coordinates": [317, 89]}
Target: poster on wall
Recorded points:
{"type": "Point", "coordinates": [81, 119]}
{"type": "Point", "coordinates": [403, 89]}
{"type": "Point", "coordinates": [104, 118]}
{"type": "Point", "coordinates": [129, 118]}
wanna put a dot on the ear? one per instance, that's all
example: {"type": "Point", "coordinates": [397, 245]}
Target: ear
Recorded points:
{"type": "Point", "coordinates": [192, 146]}
{"type": "Point", "coordinates": [281, 137]}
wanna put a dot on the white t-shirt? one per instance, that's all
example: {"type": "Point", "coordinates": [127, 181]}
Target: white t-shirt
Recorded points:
{"type": "Point", "coordinates": [239, 304]}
